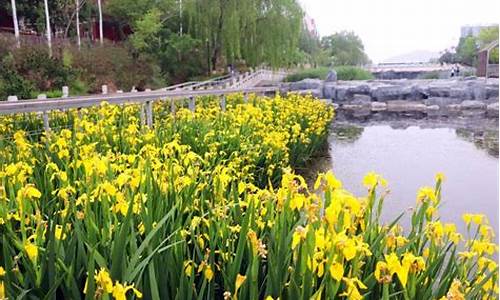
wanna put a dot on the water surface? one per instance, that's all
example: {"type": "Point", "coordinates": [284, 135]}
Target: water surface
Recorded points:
{"type": "Point", "coordinates": [409, 154]}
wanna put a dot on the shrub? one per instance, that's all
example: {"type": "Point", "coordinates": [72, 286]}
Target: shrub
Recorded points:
{"type": "Point", "coordinates": [35, 65]}
{"type": "Point", "coordinates": [11, 83]}
{"type": "Point", "coordinates": [317, 73]}
{"type": "Point", "coordinates": [431, 75]}
{"type": "Point", "coordinates": [113, 65]}
{"type": "Point", "coordinates": [352, 73]}
{"type": "Point", "coordinates": [343, 73]}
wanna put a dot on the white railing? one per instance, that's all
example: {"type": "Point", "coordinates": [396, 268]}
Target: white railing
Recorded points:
{"type": "Point", "coordinates": [222, 86]}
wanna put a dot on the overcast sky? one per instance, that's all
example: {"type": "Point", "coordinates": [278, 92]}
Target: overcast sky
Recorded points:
{"type": "Point", "coordinates": [392, 27]}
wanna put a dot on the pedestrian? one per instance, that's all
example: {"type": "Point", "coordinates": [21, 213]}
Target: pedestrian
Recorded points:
{"type": "Point", "coordinates": [452, 71]}
{"type": "Point", "coordinates": [457, 71]}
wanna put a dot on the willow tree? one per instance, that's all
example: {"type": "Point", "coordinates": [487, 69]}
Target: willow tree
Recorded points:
{"type": "Point", "coordinates": [257, 31]}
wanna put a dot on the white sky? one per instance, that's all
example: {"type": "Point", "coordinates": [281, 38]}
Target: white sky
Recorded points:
{"type": "Point", "coordinates": [393, 27]}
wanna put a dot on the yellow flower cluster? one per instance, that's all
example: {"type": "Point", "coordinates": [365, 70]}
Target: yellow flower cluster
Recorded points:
{"type": "Point", "coordinates": [205, 205]}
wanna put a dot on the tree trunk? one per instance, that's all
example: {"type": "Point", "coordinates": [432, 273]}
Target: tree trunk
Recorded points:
{"type": "Point", "coordinates": [49, 33]}
{"type": "Point", "coordinates": [16, 24]}
{"type": "Point", "coordinates": [78, 41]}
{"type": "Point", "coordinates": [101, 37]}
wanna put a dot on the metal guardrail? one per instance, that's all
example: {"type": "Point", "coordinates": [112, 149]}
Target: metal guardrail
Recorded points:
{"type": "Point", "coordinates": [26, 106]}
{"type": "Point", "coordinates": [189, 90]}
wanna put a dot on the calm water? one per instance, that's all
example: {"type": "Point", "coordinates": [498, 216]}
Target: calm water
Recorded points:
{"type": "Point", "coordinates": [409, 155]}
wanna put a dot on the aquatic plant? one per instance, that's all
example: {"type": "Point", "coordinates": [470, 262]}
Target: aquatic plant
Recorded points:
{"type": "Point", "coordinates": [206, 205]}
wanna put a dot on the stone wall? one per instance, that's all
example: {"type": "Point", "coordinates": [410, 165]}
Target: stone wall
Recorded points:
{"type": "Point", "coordinates": [462, 96]}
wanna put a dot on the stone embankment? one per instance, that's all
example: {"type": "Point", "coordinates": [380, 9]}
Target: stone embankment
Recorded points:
{"type": "Point", "coordinates": [470, 96]}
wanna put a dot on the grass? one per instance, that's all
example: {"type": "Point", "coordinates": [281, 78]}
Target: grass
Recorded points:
{"type": "Point", "coordinates": [343, 73]}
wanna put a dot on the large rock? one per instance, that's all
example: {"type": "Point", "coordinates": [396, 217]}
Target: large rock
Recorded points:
{"type": "Point", "coordinates": [462, 93]}
{"type": "Point", "coordinates": [306, 84]}
{"type": "Point", "coordinates": [441, 101]}
{"type": "Point", "coordinates": [329, 90]}
{"type": "Point", "coordinates": [439, 91]}
{"type": "Point", "coordinates": [479, 92]}
{"type": "Point", "coordinates": [331, 76]}
{"type": "Point", "coordinates": [342, 93]}
{"type": "Point", "coordinates": [361, 98]}
{"type": "Point", "coordinates": [492, 110]}
{"type": "Point", "coordinates": [316, 93]}
{"type": "Point", "coordinates": [492, 91]}
{"type": "Point", "coordinates": [405, 106]}
{"type": "Point", "coordinates": [472, 104]}
{"type": "Point", "coordinates": [390, 92]}
{"type": "Point", "coordinates": [378, 106]}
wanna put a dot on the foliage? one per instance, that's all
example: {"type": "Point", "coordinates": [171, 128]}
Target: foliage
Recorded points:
{"type": "Point", "coordinates": [316, 73]}
{"type": "Point", "coordinates": [345, 48]}
{"type": "Point", "coordinates": [204, 205]}
{"type": "Point", "coordinates": [12, 84]}
{"type": "Point", "coordinates": [343, 73]}
{"type": "Point", "coordinates": [431, 75]}
{"type": "Point", "coordinates": [352, 73]}
{"type": "Point", "coordinates": [486, 36]}
{"type": "Point", "coordinates": [468, 46]}
{"type": "Point", "coordinates": [35, 65]}
{"type": "Point", "coordinates": [111, 65]}
{"type": "Point", "coordinates": [467, 50]}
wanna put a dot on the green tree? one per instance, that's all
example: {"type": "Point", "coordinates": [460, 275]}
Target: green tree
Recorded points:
{"type": "Point", "coordinates": [345, 48]}
{"type": "Point", "coordinates": [467, 50]}
{"type": "Point", "coordinates": [486, 36]}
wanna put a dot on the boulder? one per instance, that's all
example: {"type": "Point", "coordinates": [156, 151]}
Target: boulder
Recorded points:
{"type": "Point", "coordinates": [329, 90]}
{"type": "Point", "coordinates": [461, 93]}
{"type": "Point", "coordinates": [361, 98]}
{"type": "Point", "coordinates": [342, 93]}
{"type": "Point", "coordinates": [479, 92]}
{"type": "Point", "coordinates": [306, 84]}
{"type": "Point", "coordinates": [378, 106]}
{"type": "Point", "coordinates": [434, 111]}
{"type": "Point", "coordinates": [492, 110]}
{"type": "Point", "coordinates": [390, 92]}
{"type": "Point", "coordinates": [472, 104]}
{"type": "Point", "coordinates": [439, 91]}
{"type": "Point", "coordinates": [331, 76]}
{"type": "Point", "coordinates": [492, 91]}
{"type": "Point", "coordinates": [316, 93]}
{"type": "Point", "coordinates": [405, 106]}
{"type": "Point", "coordinates": [441, 101]}
{"type": "Point", "coordinates": [359, 89]}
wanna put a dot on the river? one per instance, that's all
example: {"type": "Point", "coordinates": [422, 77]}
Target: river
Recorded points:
{"type": "Point", "coordinates": [408, 153]}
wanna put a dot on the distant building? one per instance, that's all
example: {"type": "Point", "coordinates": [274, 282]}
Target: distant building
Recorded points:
{"type": "Point", "coordinates": [474, 30]}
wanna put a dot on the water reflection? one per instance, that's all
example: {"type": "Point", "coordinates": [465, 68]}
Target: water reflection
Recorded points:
{"type": "Point", "coordinates": [485, 139]}
{"type": "Point", "coordinates": [347, 132]}
{"type": "Point", "coordinates": [408, 153]}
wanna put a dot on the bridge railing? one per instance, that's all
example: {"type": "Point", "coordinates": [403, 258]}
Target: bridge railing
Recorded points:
{"type": "Point", "coordinates": [145, 99]}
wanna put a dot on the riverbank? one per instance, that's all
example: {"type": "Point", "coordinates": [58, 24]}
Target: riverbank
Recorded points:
{"type": "Point", "coordinates": [462, 97]}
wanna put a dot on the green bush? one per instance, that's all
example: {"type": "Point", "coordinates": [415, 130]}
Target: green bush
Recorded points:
{"type": "Point", "coordinates": [343, 73]}
{"type": "Point", "coordinates": [113, 65]}
{"type": "Point", "coordinates": [352, 73]}
{"type": "Point", "coordinates": [319, 73]}
{"type": "Point", "coordinates": [11, 83]}
{"type": "Point", "coordinates": [431, 75]}
{"type": "Point", "coordinates": [35, 64]}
